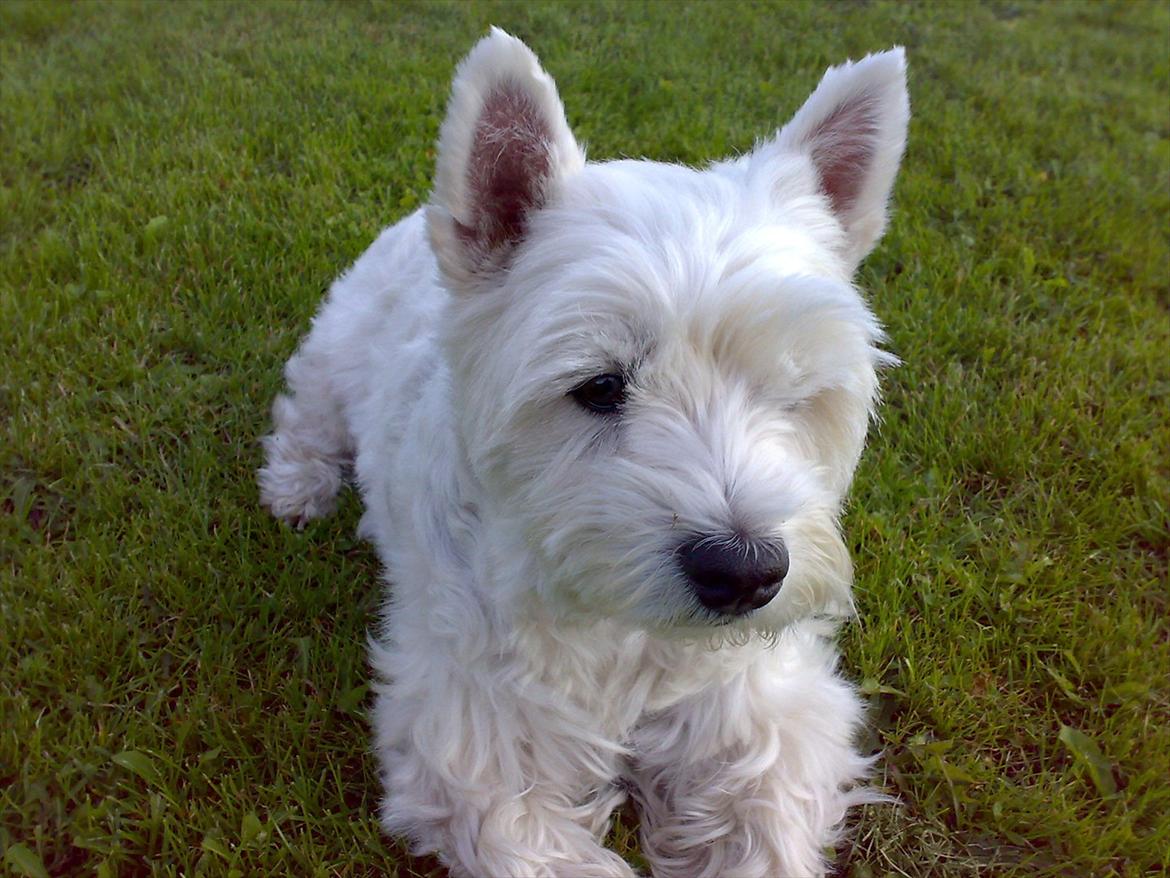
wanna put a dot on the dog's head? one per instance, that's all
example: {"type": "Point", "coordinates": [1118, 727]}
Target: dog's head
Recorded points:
{"type": "Point", "coordinates": [664, 376]}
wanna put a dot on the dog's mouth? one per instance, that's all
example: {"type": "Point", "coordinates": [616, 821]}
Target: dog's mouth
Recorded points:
{"type": "Point", "coordinates": [712, 619]}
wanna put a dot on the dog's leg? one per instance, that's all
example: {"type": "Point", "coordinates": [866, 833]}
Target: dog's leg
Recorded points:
{"type": "Point", "coordinates": [496, 783]}
{"type": "Point", "coordinates": [309, 443]}
{"type": "Point", "coordinates": [751, 778]}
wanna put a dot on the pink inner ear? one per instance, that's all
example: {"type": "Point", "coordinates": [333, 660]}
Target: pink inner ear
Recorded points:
{"type": "Point", "coordinates": [843, 150]}
{"type": "Point", "coordinates": [507, 169]}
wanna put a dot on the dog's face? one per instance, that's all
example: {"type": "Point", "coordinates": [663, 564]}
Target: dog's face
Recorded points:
{"type": "Point", "coordinates": [664, 376]}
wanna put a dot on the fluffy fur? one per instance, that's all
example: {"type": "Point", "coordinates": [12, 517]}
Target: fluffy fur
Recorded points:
{"type": "Point", "coordinates": [542, 654]}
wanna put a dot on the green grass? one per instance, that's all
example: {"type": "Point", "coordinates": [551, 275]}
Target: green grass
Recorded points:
{"type": "Point", "coordinates": [183, 683]}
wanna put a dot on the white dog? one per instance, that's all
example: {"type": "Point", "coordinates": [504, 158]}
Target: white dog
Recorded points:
{"type": "Point", "coordinates": [603, 418]}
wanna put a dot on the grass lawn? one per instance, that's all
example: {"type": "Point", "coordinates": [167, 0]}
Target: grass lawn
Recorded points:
{"type": "Point", "coordinates": [182, 680]}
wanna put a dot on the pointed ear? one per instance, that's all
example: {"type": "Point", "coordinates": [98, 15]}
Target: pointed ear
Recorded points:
{"type": "Point", "coordinates": [503, 147]}
{"type": "Point", "coordinates": [853, 127]}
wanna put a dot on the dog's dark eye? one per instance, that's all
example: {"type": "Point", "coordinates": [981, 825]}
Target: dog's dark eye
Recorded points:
{"type": "Point", "coordinates": [604, 393]}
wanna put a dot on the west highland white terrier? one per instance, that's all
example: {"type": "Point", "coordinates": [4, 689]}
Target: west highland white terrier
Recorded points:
{"type": "Point", "coordinates": [603, 417]}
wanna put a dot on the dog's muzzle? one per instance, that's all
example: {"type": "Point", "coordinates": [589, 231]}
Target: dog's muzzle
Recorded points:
{"type": "Point", "coordinates": [732, 577]}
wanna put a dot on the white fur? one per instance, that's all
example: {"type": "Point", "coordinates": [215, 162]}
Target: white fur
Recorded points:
{"type": "Point", "coordinates": [541, 653]}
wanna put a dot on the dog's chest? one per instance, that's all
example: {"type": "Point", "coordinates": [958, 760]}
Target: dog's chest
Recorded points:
{"type": "Point", "coordinates": [617, 678]}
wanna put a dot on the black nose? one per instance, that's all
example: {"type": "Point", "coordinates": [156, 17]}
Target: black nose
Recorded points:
{"type": "Point", "coordinates": [732, 577]}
